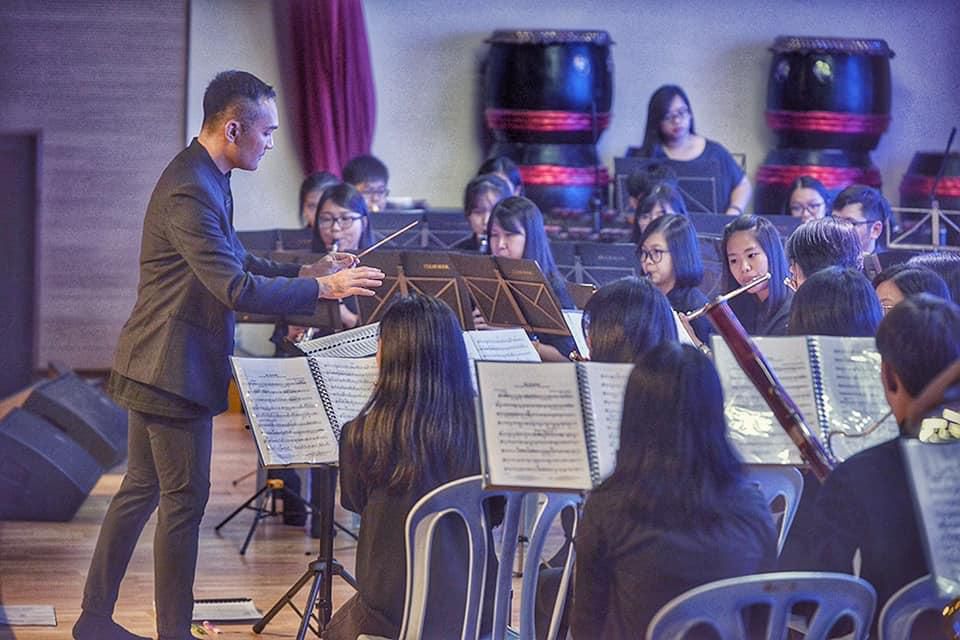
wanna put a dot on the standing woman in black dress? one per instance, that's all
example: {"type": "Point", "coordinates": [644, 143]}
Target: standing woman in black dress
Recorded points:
{"type": "Point", "coordinates": [670, 136]}
{"type": "Point", "coordinates": [417, 432]}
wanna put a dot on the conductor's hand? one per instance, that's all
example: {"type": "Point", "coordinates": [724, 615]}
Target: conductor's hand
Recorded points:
{"type": "Point", "coordinates": [331, 263]}
{"type": "Point", "coordinates": [350, 282]}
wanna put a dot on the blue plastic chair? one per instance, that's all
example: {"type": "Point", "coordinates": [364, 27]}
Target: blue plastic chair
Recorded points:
{"type": "Point", "coordinates": [720, 605]}
{"type": "Point", "coordinates": [779, 482]}
{"type": "Point", "coordinates": [905, 606]}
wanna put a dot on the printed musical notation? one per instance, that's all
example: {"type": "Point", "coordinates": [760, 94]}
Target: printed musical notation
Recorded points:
{"type": "Point", "coordinates": [285, 411]}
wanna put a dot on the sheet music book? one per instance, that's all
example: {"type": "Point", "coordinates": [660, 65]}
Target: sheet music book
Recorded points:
{"type": "Point", "coordinates": [507, 345]}
{"type": "Point", "coordinates": [225, 610]}
{"type": "Point", "coordinates": [550, 426]}
{"type": "Point", "coordinates": [297, 406]}
{"type": "Point", "coordinates": [935, 482]}
{"type": "Point", "coordinates": [360, 342]}
{"type": "Point", "coordinates": [834, 381]}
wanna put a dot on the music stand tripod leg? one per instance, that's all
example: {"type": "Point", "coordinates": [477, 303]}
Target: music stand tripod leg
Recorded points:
{"type": "Point", "coordinates": [321, 571]}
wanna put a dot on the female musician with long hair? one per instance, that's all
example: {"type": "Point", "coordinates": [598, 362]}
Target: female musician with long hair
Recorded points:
{"type": "Point", "coordinates": [807, 199]}
{"type": "Point", "coordinates": [515, 230]}
{"type": "Point", "coordinates": [416, 432]}
{"type": "Point", "coordinates": [676, 508]}
{"type": "Point", "coordinates": [626, 318]}
{"type": "Point", "coordinates": [835, 302]}
{"type": "Point", "coordinates": [750, 248]}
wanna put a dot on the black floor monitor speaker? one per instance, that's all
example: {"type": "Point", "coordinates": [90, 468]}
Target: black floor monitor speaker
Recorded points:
{"type": "Point", "coordinates": [85, 414]}
{"type": "Point", "coordinates": [45, 474]}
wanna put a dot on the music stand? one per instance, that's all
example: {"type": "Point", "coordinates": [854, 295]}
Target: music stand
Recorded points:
{"type": "Point", "coordinates": [319, 606]}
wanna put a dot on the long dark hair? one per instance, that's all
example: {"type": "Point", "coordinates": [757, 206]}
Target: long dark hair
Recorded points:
{"type": "Point", "coordinates": [626, 318]}
{"type": "Point", "coordinates": [835, 302]}
{"type": "Point", "coordinates": [517, 214]}
{"type": "Point", "coordinates": [675, 462]}
{"type": "Point", "coordinates": [346, 196]}
{"type": "Point", "coordinates": [506, 166]}
{"type": "Point", "coordinates": [683, 245]}
{"type": "Point", "coordinates": [807, 182]}
{"type": "Point", "coordinates": [769, 240]}
{"type": "Point", "coordinates": [912, 279]}
{"type": "Point", "coordinates": [657, 109]}
{"type": "Point", "coordinates": [419, 426]}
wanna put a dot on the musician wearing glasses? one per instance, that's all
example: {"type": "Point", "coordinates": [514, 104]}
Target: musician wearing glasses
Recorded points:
{"type": "Point", "coordinates": [342, 224]}
{"type": "Point", "coordinates": [868, 211]}
{"type": "Point", "coordinates": [669, 254]}
{"type": "Point", "coordinates": [808, 199]}
{"type": "Point", "coordinates": [711, 179]}
{"type": "Point", "coordinates": [369, 176]}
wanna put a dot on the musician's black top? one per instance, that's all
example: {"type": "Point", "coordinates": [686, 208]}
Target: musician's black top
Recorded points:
{"type": "Point", "coordinates": [760, 318]}
{"type": "Point", "coordinates": [377, 608]}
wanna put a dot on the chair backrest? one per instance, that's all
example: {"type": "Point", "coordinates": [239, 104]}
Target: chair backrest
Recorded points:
{"type": "Point", "coordinates": [464, 498]}
{"type": "Point", "coordinates": [779, 482]}
{"type": "Point", "coordinates": [720, 605]}
{"type": "Point", "coordinates": [905, 606]}
{"type": "Point", "coordinates": [552, 505]}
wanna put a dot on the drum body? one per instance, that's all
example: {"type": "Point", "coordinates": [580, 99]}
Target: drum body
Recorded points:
{"type": "Point", "coordinates": [561, 178]}
{"type": "Point", "coordinates": [835, 168]}
{"type": "Point", "coordinates": [548, 86]}
{"type": "Point", "coordinates": [829, 92]}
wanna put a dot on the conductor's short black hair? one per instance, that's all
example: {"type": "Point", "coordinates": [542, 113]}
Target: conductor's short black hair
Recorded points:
{"type": "Point", "coordinates": [234, 94]}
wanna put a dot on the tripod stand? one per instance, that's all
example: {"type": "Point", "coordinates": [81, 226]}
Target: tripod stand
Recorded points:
{"type": "Point", "coordinates": [319, 606]}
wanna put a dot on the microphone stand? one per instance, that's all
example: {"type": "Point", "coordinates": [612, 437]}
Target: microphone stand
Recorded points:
{"type": "Point", "coordinates": [934, 201]}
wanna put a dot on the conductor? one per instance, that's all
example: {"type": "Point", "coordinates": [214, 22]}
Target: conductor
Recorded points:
{"type": "Point", "coordinates": [171, 367]}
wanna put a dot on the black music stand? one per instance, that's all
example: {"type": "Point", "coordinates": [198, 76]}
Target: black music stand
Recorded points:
{"type": "Point", "coordinates": [319, 607]}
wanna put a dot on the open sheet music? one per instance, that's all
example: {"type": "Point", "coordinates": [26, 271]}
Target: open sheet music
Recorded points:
{"type": "Point", "coordinates": [934, 475]}
{"type": "Point", "coordinates": [552, 426]}
{"type": "Point", "coordinates": [360, 342]}
{"type": "Point", "coordinates": [509, 345]}
{"type": "Point", "coordinates": [834, 381]}
{"type": "Point", "coordinates": [297, 406]}
{"type": "Point", "coordinates": [574, 320]}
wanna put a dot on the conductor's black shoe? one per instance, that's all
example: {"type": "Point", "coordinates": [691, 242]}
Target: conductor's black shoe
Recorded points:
{"type": "Point", "coordinates": [93, 627]}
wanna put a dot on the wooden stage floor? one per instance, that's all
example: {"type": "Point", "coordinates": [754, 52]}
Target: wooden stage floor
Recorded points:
{"type": "Point", "coordinates": [45, 563]}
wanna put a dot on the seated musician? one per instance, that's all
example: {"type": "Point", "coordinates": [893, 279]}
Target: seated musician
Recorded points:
{"type": "Point", "coordinates": [479, 198]}
{"type": "Point", "coordinates": [868, 211]}
{"type": "Point", "coordinates": [417, 432]}
{"type": "Point", "coordinates": [947, 266]}
{"type": "Point", "coordinates": [835, 302]}
{"type": "Point", "coordinates": [664, 198]}
{"type": "Point", "coordinates": [515, 230]}
{"type": "Point", "coordinates": [311, 190]}
{"type": "Point", "coordinates": [899, 281]}
{"type": "Point", "coordinates": [818, 244]}
{"type": "Point", "coordinates": [751, 248]}
{"type": "Point", "coordinates": [669, 254]}
{"type": "Point", "coordinates": [865, 503]}
{"type": "Point", "coordinates": [677, 511]}
{"type": "Point", "coordinates": [807, 199]}
{"type": "Point", "coordinates": [369, 175]}
{"type": "Point", "coordinates": [343, 222]}
{"type": "Point", "coordinates": [721, 185]}
{"type": "Point", "coordinates": [505, 168]}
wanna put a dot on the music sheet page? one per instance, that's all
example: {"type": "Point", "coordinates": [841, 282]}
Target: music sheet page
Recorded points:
{"type": "Point", "coordinates": [506, 345]}
{"type": "Point", "coordinates": [532, 426]}
{"type": "Point", "coordinates": [607, 382]}
{"type": "Point", "coordinates": [852, 393]}
{"type": "Point", "coordinates": [935, 479]}
{"type": "Point", "coordinates": [286, 414]}
{"type": "Point", "coordinates": [574, 320]}
{"type": "Point", "coordinates": [751, 425]}
{"type": "Point", "coordinates": [348, 383]}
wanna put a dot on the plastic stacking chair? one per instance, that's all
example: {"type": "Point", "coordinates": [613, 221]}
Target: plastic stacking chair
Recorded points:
{"type": "Point", "coordinates": [550, 509]}
{"type": "Point", "coordinates": [464, 498]}
{"type": "Point", "coordinates": [779, 482]}
{"type": "Point", "coordinates": [720, 605]}
{"type": "Point", "coordinates": [905, 606]}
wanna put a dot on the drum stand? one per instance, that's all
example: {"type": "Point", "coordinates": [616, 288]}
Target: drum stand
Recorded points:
{"type": "Point", "coordinates": [319, 606]}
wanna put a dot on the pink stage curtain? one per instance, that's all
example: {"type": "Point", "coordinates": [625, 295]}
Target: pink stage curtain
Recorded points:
{"type": "Point", "coordinates": [327, 66]}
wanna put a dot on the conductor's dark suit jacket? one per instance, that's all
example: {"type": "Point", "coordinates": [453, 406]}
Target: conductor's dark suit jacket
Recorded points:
{"type": "Point", "coordinates": [194, 273]}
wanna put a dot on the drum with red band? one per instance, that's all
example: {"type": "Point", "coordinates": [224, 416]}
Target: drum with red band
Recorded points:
{"type": "Point", "coordinates": [917, 184]}
{"type": "Point", "coordinates": [829, 92]}
{"type": "Point", "coordinates": [549, 86]}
